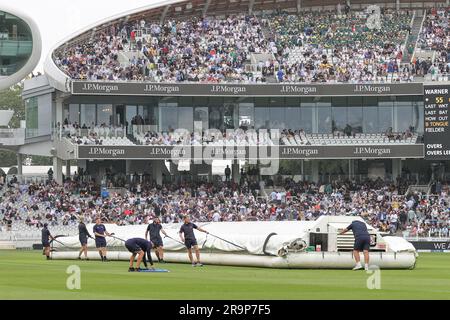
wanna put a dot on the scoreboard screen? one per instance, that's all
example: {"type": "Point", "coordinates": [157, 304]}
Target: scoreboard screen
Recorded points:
{"type": "Point", "coordinates": [436, 122]}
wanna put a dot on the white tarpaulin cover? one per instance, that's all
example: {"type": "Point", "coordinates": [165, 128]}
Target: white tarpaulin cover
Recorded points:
{"type": "Point", "coordinates": [398, 244]}
{"type": "Point", "coordinates": [249, 235]}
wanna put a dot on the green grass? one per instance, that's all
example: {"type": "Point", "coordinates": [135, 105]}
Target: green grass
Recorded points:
{"type": "Point", "coordinates": [26, 275]}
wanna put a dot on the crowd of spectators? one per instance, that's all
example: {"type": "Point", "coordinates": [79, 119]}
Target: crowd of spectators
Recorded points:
{"type": "Point", "coordinates": [208, 137]}
{"type": "Point", "coordinates": [248, 200]}
{"type": "Point", "coordinates": [435, 35]}
{"type": "Point", "coordinates": [197, 50]}
{"type": "Point", "coordinates": [326, 46]}
{"type": "Point", "coordinates": [103, 134]}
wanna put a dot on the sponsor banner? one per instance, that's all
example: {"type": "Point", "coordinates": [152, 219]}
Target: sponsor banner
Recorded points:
{"type": "Point", "coordinates": [203, 89]}
{"type": "Point", "coordinates": [431, 246]}
{"type": "Point", "coordinates": [436, 122]}
{"type": "Point", "coordinates": [250, 152]}
{"type": "Point", "coordinates": [356, 151]}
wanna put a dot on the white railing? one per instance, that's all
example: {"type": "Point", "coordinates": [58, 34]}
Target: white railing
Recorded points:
{"type": "Point", "coordinates": [100, 132]}
{"type": "Point", "coordinates": [424, 13]}
{"type": "Point", "coordinates": [27, 179]}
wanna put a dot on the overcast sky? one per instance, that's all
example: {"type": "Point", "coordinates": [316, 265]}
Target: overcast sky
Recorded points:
{"type": "Point", "coordinates": [58, 19]}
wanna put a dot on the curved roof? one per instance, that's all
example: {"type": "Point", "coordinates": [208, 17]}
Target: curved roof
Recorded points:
{"type": "Point", "coordinates": [35, 55]}
{"type": "Point", "coordinates": [180, 9]}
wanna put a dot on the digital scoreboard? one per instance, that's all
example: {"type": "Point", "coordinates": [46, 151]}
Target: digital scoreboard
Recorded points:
{"type": "Point", "coordinates": [436, 122]}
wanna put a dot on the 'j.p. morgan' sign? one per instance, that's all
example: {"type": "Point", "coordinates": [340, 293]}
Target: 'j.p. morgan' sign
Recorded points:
{"type": "Point", "coordinates": [251, 153]}
{"type": "Point", "coordinates": [203, 89]}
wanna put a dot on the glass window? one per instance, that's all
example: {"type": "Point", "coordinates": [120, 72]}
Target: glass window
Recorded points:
{"type": "Point", "coordinates": [130, 114]}
{"type": "Point", "coordinates": [119, 115]}
{"type": "Point", "coordinates": [246, 115]}
{"type": "Point", "coordinates": [385, 114]}
{"type": "Point", "coordinates": [261, 113]}
{"type": "Point", "coordinates": [404, 114]}
{"type": "Point", "coordinates": [104, 114]}
{"type": "Point", "coordinates": [168, 118]}
{"type": "Point", "coordinates": [168, 114]}
{"type": "Point", "coordinates": [201, 113]}
{"type": "Point", "coordinates": [307, 114]}
{"type": "Point", "coordinates": [185, 118]}
{"type": "Point", "coordinates": [31, 116]}
{"type": "Point", "coordinates": [201, 116]}
{"type": "Point", "coordinates": [418, 116]}
{"type": "Point", "coordinates": [148, 114]}
{"type": "Point", "coordinates": [72, 113]}
{"type": "Point", "coordinates": [87, 115]}
{"type": "Point", "coordinates": [221, 114]}
{"type": "Point", "coordinates": [276, 113]}
{"type": "Point", "coordinates": [215, 113]}
{"type": "Point", "coordinates": [292, 113]}
{"type": "Point", "coordinates": [143, 114]}
{"type": "Point", "coordinates": [370, 115]}
{"type": "Point", "coordinates": [324, 115]}
{"type": "Point", "coordinates": [230, 114]}
{"type": "Point", "coordinates": [339, 110]}
{"type": "Point", "coordinates": [16, 44]}
{"type": "Point", "coordinates": [292, 118]}
{"type": "Point", "coordinates": [355, 114]}
{"type": "Point", "coordinates": [215, 117]}
{"type": "Point", "coordinates": [185, 114]}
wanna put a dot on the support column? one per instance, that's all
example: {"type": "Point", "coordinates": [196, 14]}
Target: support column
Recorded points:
{"type": "Point", "coordinates": [315, 170]}
{"type": "Point", "coordinates": [57, 170]}
{"type": "Point", "coordinates": [396, 168]}
{"type": "Point", "coordinates": [210, 175]}
{"type": "Point", "coordinates": [177, 175]}
{"type": "Point", "coordinates": [81, 168]}
{"type": "Point", "coordinates": [157, 171]}
{"type": "Point", "coordinates": [397, 5]}
{"type": "Point", "coordinates": [302, 169]}
{"type": "Point", "coordinates": [19, 164]}
{"type": "Point", "coordinates": [128, 172]}
{"type": "Point", "coordinates": [58, 117]}
{"type": "Point", "coordinates": [193, 170]}
{"type": "Point", "coordinates": [299, 6]}
{"type": "Point", "coordinates": [351, 169]}
{"type": "Point", "coordinates": [235, 171]}
{"type": "Point", "coordinates": [67, 168]}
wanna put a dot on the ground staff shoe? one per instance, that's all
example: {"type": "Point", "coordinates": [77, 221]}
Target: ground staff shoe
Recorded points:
{"type": "Point", "coordinates": [358, 267]}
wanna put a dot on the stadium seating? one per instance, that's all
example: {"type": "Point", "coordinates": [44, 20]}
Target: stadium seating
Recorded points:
{"type": "Point", "coordinates": [359, 139]}
{"type": "Point", "coordinates": [29, 206]}
{"type": "Point", "coordinates": [106, 136]}
{"type": "Point", "coordinates": [312, 47]}
{"type": "Point", "coordinates": [434, 38]}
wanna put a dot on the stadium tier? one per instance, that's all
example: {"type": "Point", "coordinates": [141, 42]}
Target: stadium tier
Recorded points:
{"type": "Point", "coordinates": [241, 111]}
{"type": "Point", "coordinates": [280, 46]}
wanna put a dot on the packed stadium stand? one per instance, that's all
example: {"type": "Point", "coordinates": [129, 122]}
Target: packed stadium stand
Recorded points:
{"type": "Point", "coordinates": [319, 46]}
{"type": "Point", "coordinates": [26, 207]}
{"type": "Point", "coordinates": [343, 92]}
